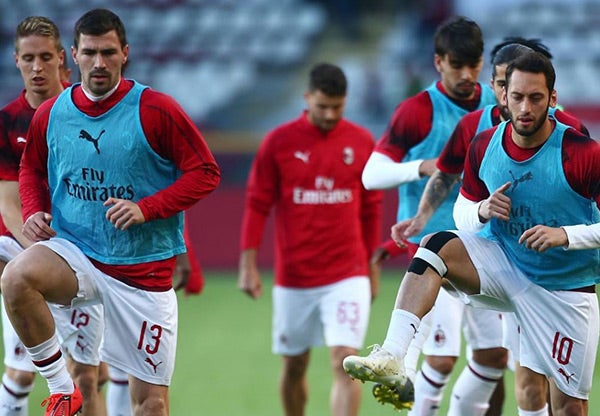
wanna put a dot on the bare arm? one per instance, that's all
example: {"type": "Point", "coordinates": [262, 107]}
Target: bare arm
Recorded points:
{"type": "Point", "coordinates": [436, 191]}
{"type": "Point", "coordinates": [10, 208]}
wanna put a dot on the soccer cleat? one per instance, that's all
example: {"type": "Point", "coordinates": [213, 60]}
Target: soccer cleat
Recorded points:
{"type": "Point", "coordinates": [380, 366]}
{"type": "Point", "coordinates": [61, 404]}
{"type": "Point", "coordinates": [400, 397]}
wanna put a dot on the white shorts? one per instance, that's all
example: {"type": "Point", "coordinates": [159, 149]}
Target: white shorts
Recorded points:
{"type": "Point", "coordinates": [482, 328]}
{"type": "Point", "coordinates": [559, 329]}
{"type": "Point", "coordinates": [15, 355]}
{"type": "Point", "coordinates": [140, 335]}
{"type": "Point", "coordinates": [511, 331]}
{"type": "Point", "coordinates": [79, 331]}
{"type": "Point", "coordinates": [334, 315]}
{"type": "Point", "coordinates": [9, 248]}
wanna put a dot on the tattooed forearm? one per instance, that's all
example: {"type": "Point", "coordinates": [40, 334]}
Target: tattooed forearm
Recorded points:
{"type": "Point", "coordinates": [438, 187]}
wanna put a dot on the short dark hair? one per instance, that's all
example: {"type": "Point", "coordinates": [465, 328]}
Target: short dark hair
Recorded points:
{"type": "Point", "coordinates": [507, 54]}
{"type": "Point", "coordinates": [97, 22]}
{"type": "Point", "coordinates": [38, 26]}
{"type": "Point", "coordinates": [535, 63]}
{"type": "Point", "coordinates": [533, 43]}
{"type": "Point", "coordinates": [329, 79]}
{"type": "Point", "coordinates": [461, 38]}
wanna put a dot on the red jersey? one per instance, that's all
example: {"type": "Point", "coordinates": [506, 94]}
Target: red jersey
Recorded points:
{"type": "Point", "coordinates": [327, 225]}
{"type": "Point", "coordinates": [169, 132]}
{"type": "Point", "coordinates": [14, 122]}
{"type": "Point", "coordinates": [452, 158]}
{"type": "Point", "coordinates": [412, 121]}
{"type": "Point", "coordinates": [581, 155]}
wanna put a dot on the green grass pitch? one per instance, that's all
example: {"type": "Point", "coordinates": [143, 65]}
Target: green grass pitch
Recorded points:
{"type": "Point", "coordinates": [225, 366]}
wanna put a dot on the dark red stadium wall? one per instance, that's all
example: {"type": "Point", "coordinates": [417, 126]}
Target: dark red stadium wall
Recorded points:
{"type": "Point", "coordinates": [215, 229]}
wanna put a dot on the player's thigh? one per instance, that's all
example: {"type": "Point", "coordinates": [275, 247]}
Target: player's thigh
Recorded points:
{"type": "Point", "coordinates": [446, 322]}
{"type": "Point", "coordinates": [461, 271]}
{"type": "Point", "coordinates": [345, 309]}
{"type": "Point", "coordinates": [41, 268]}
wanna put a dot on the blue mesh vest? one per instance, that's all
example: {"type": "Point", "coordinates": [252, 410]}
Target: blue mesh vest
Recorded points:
{"type": "Point", "coordinates": [485, 121]}
{"type": "Point", "coordinates": [446, 115]}
{"type": "Point", "coordinates": [93, 158]}
{"type": "Point", "coordinates": [540, 194]}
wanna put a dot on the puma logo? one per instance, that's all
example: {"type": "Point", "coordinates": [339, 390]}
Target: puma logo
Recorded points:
{"type": "Point", "coordinates": [303, 156]}
{"type": "Point", "coordinates": [154, 366]}
{"type": "Point", "coordinates": [21, 139]}
{"type": "Point", "coordinates": [80, 343]}
{"type": "Point", "coordinates": [86, 136]}
{"type": "Point", "coordinates": [516, 181]}
{"type": "Point", "coordinates": [563, 373]}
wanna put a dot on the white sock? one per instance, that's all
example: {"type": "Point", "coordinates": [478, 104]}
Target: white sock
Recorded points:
{"type": "Point", "coordinates": [473, 389]}
{"type": "Point", "coordinates": [47, 358]}
{"type": "Point", "coordinates": [14, 398]}
{"type": "Point", "coordinates": [118, 402]}
{"type": "Point", "coordinates": [542, 412]}
{"type": "Point", "coordinates": [411, 359]}
{"type": "Point", "coordinates": [401, 331]}
{"type": "Point", "coordinates": [429, 390]}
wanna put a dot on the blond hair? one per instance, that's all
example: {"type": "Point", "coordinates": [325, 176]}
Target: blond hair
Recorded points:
{"type": "Point", "coordinates": [37, 26]}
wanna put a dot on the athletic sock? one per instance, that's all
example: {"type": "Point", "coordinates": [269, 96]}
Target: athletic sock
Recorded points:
{"type": "Point", "coordinates": [51, 365]}
{"type": "Point", "coordinates": [118, 402]}
{"type": "Point", "coordinates": [542, 412]}
{"type": "Point", "coordinates": [473, 389]}
{"type": "Point", "coordinates": [411, 359]}
{"type": "Point", "coordinates": [14, 398]}
{"type": "Point", "coordinates": [401, 330]}
{"type": "Point", "coordinates": [429, 390]}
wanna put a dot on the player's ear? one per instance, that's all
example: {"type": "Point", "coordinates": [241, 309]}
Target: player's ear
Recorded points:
{"type": "Point", "coordinates": [437, 62]}
{"type": "Point", "coordinates": [553, 98]}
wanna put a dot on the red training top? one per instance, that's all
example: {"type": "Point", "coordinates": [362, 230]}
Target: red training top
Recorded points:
{"type": "Point", "coordinates": [327, 224]}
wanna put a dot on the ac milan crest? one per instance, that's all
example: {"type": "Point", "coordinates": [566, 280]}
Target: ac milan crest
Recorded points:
{"type": "Point", "coordinates": [439, 337]}
{"type": "Point", "coordinates": [348, 155]}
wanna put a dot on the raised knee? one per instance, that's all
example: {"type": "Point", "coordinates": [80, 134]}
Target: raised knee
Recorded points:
{"type": "Point", "coordinates": [427, 254]}
{"type": "Point", "coordinates": [14, 280]}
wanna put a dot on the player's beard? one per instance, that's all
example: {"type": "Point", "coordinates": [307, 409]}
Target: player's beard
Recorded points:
{"type": "Point", "coordinates": [464, 90]}
{"type": "Point", "coordinates": [530, 131]}
{"type": "Point", "coordinates": [504, 113]}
